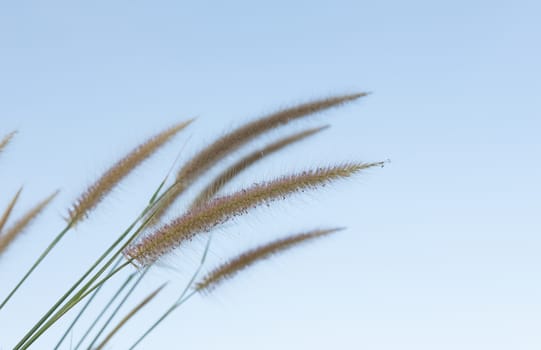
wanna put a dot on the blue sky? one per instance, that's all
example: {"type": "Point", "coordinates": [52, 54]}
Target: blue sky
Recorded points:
{"type": "Point", "coordinates": [442, 246]}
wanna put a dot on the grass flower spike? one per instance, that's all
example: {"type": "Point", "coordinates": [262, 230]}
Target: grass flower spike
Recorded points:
{"type": "Point", "coordinates": [234, 170]}
{"type": "Point", "coordinates": [9, 236]}
{"type": "Point", "coordinates": [4, 142]}
{"type": "Point", "coordinates": [98, 294]}
{"type": "Point", "coordinates": [221, 209]}
{"type": "Point", "coordinates": [9, 208]}
{"type": "Point", "coordinates": [99, 189]}
{"type": "Point", "coordinates": [250, 257]}
{"type": "Point", "coordinates": [232, 141]}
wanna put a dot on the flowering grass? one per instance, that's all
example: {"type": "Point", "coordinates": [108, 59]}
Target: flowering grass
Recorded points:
{"type": "Point", "coordinates": [147, 239]}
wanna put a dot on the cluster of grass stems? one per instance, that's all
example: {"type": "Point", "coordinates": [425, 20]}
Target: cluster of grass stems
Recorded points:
{"type": "Point", "coordinates": [149, 238]}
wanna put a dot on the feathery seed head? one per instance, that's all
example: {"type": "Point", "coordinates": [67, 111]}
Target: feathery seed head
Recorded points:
{"type": "Point", "coordinates": [6, 140]}
{"type": "Point", "coordinates": [234, 170]}
{"type": "Point", "coordinates": [9, 236]}
{"type": "Point", "coordinates": [105, 184]}
{"type": "Point", "coordinates": [9, 208]}
{"type": "Point", "coordinates": [250, 257]}
{"type": "Point", "coordinates": [219, 210]}
{"type": "Point", "coordinates": [232, 141]}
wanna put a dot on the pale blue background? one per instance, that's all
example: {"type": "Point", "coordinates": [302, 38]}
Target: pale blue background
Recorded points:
{"type": "Point", "coordinates": [442, 250]}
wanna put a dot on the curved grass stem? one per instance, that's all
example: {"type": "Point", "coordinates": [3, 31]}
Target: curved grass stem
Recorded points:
{"type": "Point", "coordinates": [182, 298]}
{"type": "Point", "coordinates": [117, 309]}
{"type": "Point", "coordinates": [104, 310]}
{"type": "Point", "coordinates": [36, 264]}
{"type": "Point", "coordinates": [68, 306]}
{"type": "Point", "coordinates": [83, 309]}
{"type": "Point", "coordinates": [39, 328]}
{"type": "Point", "coordinates": [131, 314]}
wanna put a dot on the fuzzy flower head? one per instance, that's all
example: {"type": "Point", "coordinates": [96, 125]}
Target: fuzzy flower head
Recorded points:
{"type": "Point", "coordinates": [219, 210]}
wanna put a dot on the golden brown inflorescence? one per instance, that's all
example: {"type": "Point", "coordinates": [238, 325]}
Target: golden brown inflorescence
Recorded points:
{"type": "Point", "coordinates": [221, 209]}
{"type": "Point", "coordinates": [250, 257]}
{"type": "Point", "coordinates": [4, 142]}
{"type": "Point", "coordinates": [234, 170]}
{"type": "Point", "coordinates": [9, 209]}
{"type": "Point", "coordinates": [99, 189]}
{"type": "Point", "coordinates": [18, 227]}
{"type": "Point", "coordinates": [232, 141]}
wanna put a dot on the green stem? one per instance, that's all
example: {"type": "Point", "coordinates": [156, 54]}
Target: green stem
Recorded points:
{"type": "Point", "coordinates": [124, 285]}
{"type": "Point", "coordinates": [36, 263]}
{"type": "Point", "coordinates": [68, 306]}
{"type": "Point", "coordinates": [117, 309]}
{"type": "Point", "coordinates": [182, 297]}
{"type": "Point", "coordinates": [83, 310]}
{"type": "Point", "coordinates": [163, 317]}
{"type": "Point", "coordinates": [37, 326]}
{"type": "Point", "coordinates": [68, 293]}
{"type": "Point", "coordinates": [131, 314]}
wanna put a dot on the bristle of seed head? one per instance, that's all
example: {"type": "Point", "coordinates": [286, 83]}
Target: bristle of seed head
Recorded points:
{"type": "Point", "coordinates": [7, 212]}
{"type": "Point", "coordinates": [94, 194]}
{"type": "Point", "coordinates": [4, 142]}
{"type": "Point", "coordinates": [18, 227]}
{"type": "Point", "coordinates": [234, 170]}
{"type": "Point", "coordinates": [219, 210]}
{"type": "Point", "coordinates": [235, 265]}
{"type": "Point", "coordinates": [232, 141]}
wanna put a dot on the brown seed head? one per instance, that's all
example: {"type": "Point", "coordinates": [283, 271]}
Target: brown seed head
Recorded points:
{"type": "Point", "coordinates": [232, 141]}
{"type": "Point", "coordinates": [9, 208]}
{"type": "Point", "coordinates": [219, 210]}
{"type": "Point", "coordinates": [6, 140]}
{"type": "Point", "coordinates": [13, 232]}
{"type": "Point", "coordinates": [250, 257]}
{"type": "Point", "coordinates": [105, 184]}
{"type": "Point", "coordinates": [234, 170]}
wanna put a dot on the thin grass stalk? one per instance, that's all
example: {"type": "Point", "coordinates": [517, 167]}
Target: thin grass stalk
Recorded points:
{"type": "Point", "coordinates": [38, 329]}
{"type": "Point", "coordinates": [85, 291]}
{"type": "Point", "coordinates": [155, 198]}
{"type": "Point", "coordinates": [104, 310]}
{"type": "Point", "coordinates": [180, 298]}
{"type": "Point", "coordinates": [36, 264]}
{"type": "Point", "coordinates": [91, 288]}
{"type": "Point", "coordinates": [158, 321]}
{"type": "Point", "coordinates": [162, 318]}
{"type": "Point", "coordinates": [84, 276]}
{"type": "Point", "coordinates": [49, 320]}
{"type": "Point", "coordinates": [118, 307]}
{"type": "Point", "coordinates": [67, 307]}
{"type": "Point", "coordinates": [9, 209]}
{"type": "Point", "coordinates": [83, 309]}
{"type": "Point", "coordinates": [66, 294]}
{"type": "Point", "coordinates": [132, 313]}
